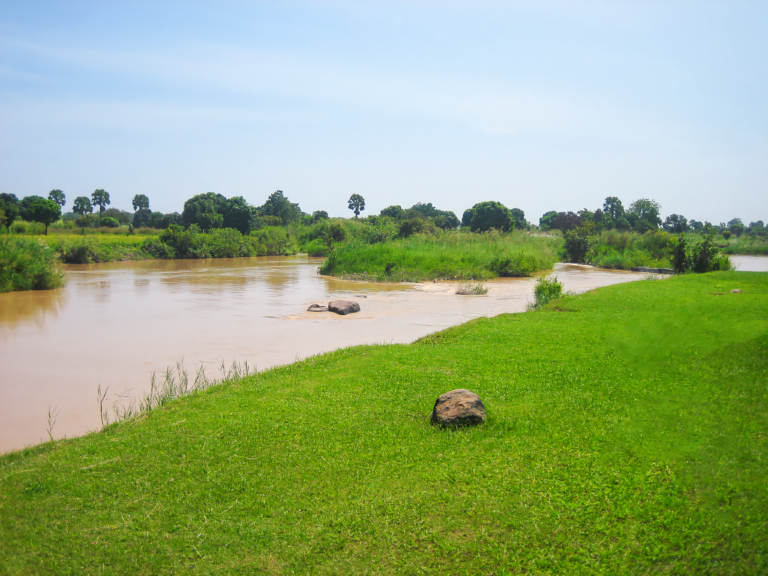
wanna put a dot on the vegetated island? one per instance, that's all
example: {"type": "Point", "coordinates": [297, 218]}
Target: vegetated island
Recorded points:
{"type": "Point", "coordinates": [414, 244]}
{"type": "Point", "coordinates": [625, 434]}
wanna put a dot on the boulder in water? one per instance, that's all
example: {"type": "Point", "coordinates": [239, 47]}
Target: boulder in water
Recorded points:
{"type": "Point", "coordinates": [317, 308]}
{"type": "Point", "coordinates": [343, 307]}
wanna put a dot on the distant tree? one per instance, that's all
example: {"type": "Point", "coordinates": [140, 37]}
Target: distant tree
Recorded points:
{"type": "Point", "coordinates": [82, 206]}
{"type": "Point", "coordinates": [547, 221]}
{"type": "Point", "coordinates": [643, 215]}
{"type": "Point", "coordinates": [356, 203]}
{"type": "Point", "coordinates": [318, 215]}
{"type": "Point", "coordinates": [58, 197]}
{"type": "Point", "coordinates": [278, 205]}
{"type": "Point", "coordinates": [614, 207]}
{"type": "Point", "coordinates": [676, 224]}
{"type": "Point", "coordinates": [486, 215]}
{"type": "Point", "coordinates": [9, 204]}
{"type": "Point", "coordinates": [395, 212]}
{"type": "Point", "coordinates": [758, 224]}
{"type": "Point", "coordinates": [100, 198]}
{"type": "Point", "coordinates": [121, 216]}
{"type": "Point", "coordinates": [519, 217]}
{"type": "Point", "coordinates": [142, 217]}
{"type": "Point", "coordinates": [736, 227]}
{"type": "Point", "coordinates": [696, 225]}
{"type": "Point", "coordinates": [565, 221]}
{"type": "Point", "coordinates": [425, 211]}
{"type": "Point", "coordinates": [205, 210]}
{"type": "Point", "coordinates": [140, 202]}
{"type": "Point", "coordinates": [239, 214]}
{"type": "Point", "coordinates": [109, 222]}
{"type": "Point", "coordinates": [42, 210]}
{"type": "Point", "coordinates": [447, 220]}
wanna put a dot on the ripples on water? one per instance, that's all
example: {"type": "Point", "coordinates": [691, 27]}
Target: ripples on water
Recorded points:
{"type": "Point", "coordinates": [115, 323]}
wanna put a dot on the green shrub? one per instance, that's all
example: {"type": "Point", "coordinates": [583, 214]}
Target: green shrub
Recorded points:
{"type": "Point", "coordinates": [156, 248]}
{"type": "Point", "coordinates": [27, 264]}
{"type": "Point", "coordinates": [109, 222]}
{"type": "Point", "coordinates": [78, 252]}
{"type": "Point", "coordinates": [316, 248]}
{"type": "Point", "coordinates": [547, 288]}
{"type": "Point", "coordinates": [578, 245]}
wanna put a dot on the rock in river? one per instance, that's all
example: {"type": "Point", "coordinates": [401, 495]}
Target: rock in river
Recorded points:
{"type": "Point", "coordinates": [343, 307]}
{"type": "Point", "coordinates": [317, 308]}
{"type": "Point", "coordinates": [458, 408]}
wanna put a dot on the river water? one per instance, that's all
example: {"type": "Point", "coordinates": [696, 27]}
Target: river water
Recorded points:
{"type": "Point", "coordinates": [114, 324]}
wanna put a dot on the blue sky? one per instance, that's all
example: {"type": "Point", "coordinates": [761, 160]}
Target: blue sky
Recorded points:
{"type": "Point", "coordinates": [540, 105]}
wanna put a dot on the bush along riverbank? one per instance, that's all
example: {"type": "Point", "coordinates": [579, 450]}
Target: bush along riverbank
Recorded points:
{"type": "Point", "coordinates": [26, 264]}
{"type": "Point", "coordinates": [450, 255]}
{"type": "Point", "coordinates": [625, 434]}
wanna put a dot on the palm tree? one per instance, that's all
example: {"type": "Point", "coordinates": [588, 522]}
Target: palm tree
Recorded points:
{"type": "Point", "coordinates": [356, 203]}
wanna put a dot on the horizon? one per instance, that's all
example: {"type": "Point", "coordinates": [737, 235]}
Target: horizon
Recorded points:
{"type": "Point", "coordinates": [546, 106]}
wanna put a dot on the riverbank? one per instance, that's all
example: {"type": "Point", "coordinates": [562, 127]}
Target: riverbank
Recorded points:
{"type": "Point", "coordinates": [624, 435]}
{"type": "Point", "coordinates": [450, 255]}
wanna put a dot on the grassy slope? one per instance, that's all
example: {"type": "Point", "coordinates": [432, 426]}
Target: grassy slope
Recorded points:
{"type": "Point", "coordinates": [626, 434]}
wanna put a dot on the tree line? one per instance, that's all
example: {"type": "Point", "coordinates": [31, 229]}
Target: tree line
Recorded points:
{"type": "Point", "coordinates": [211, 211]}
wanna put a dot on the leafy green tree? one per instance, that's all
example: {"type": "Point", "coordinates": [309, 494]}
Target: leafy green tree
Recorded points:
{"type": "Point", "coordinates": [614, 207]}
{"type": "Point", "coordinates": [82, 206]}
{"type": "Point", "coordinates": [486, 215]}
{"type": "Point", "coordinates": [736, 226]}
{"type": "Point", "coordinates": [547, 221]}
{"type": "Point", "coordinates": [140, 202]}
{"type": "Point", "coordinates": [675, 224]}
{"type": "Point", "coordinates": [643, 215]}
{"type": "Point", "coordinates": [519, 217]}
{"type": "Point", "coordinates": [42, 210]}
{"type": "Point", "coordinates": [395, 212]}
{"type": "Point", "coordinates": [9, 204]}
{"type": "Point", "coordinates": [696, 225]}
{"type": "Point", "coordinates": [447, 221]}
{"type": "Point", "coordinates": [109, 222]}
{"type": "Point", "coordinates": [205, 210]}
{"type": "Point", "coordinates": [100, 198]}
{"type": "Point", "coordinates": [578, 244]}
{"type": "Point", "coordinates": [565, 221]}
{"type": "Point", "coordinates": [58, 197]}
{"type": "Point", "coordinates": [240, 215]}
{"type": "Point", "coordinates": [278, 205]}
{"type": "Point", "coordinates": [121, 216]}
{"type": "Point", "coordinates": [356, 203]}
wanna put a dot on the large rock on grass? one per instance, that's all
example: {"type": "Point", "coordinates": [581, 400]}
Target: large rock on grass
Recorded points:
{"type": "Point", "coordinates": [343, 307]}
{"type": "Point", "coordinates": [458, 408]}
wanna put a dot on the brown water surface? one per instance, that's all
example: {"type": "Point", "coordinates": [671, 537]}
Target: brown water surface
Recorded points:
{"type": "Point", "coordinates": [114, 324]}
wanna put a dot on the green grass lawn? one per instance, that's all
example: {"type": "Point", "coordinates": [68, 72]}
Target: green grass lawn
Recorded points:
{"type": "Point", "coordinates": [626, 435]}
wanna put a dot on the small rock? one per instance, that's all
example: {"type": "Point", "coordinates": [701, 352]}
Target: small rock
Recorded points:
{"type": "Point", "coordinates": [317, 308]}
{"type": "Point", "coordinates": [343, 307]}
{"type": "Point", "coordinates": [361, 296]}
{"type": "Point", "coordinates": [736, 291]}
{"type": "Point", "coordinates": [458, 408]}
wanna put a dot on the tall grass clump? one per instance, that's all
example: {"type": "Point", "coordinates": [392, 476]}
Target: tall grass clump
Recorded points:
{"type": "Point", "coordinates": [547, 288]}
{"type": "Point", "coordinates": [448, 255]}
{"type": "Point", "coordinates": [26, 264]}
{"type": "Point", "coordinates": [472, 289]}
{"type": "Point", "coordinates": [625, 250]}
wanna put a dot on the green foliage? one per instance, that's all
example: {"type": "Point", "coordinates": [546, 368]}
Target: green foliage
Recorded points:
{"type": "Point", "coordinates": [316, 248]}
{"type": "Point", "coordinates": [58, 196]}
{"type": "Point", "coordinates": [547, 221]}
{"type": "Point", "coordinates": [676, 224]}
{"type": "Point", "coordinates": [625, 250]}
{"type": "Point", "coordinates": [356, 204]}
{"type": "Point", "coordinates": [578, 244]}
{"type": "Point", "coordinates": [447, 255]}
{"type": "Point", "coordinates": [278, 205]}
{"type": "Point", "coordinates": [644, 215]}
{"type": "Point", "coordinates": [416, 226]}
{"type": "Point", "coordinates": [140, 202]}
{"type": "Point", "coordinates": [82, 206]}
{"type": "Point", "coordinates": [100, 198]}
{"type": "Point", "coordinates": [123, 218]}
{"type": "Point", "coordinates": [27, 264]}
{"type": "Point", "coordinates": [547, 289]}
{"type": "Point", "coordinates": [486, 215]}
{"type": "Point", "coordinates": [703, 256]}
{"type": "Point", "coordinates": [109, 222]}
{"type": "Point", "coordinates": [472, 289]}
{"type": "Point", "coordinates": [204, 211]}
{"type": "Point", "coordinates": [625, 436]}
{"type": "Point", "coordinates": [87, 221]}
{"type": "Point", "coordinates": [40, 210]}
{"type": "Point", "coordinates": [274, 241]}
{"type": "Point", "coordinates": [10, 208]}
{"type": "Point", "coordinates": [76, 252]}
{"type": "Point", "coordinates": [394, 212]}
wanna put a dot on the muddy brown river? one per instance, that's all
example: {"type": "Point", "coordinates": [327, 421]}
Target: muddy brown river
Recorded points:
{"type": "Point", "coordinates": [114, 324]}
